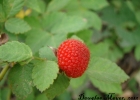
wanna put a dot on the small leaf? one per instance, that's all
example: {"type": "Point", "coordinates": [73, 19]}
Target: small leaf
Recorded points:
{"type": "Point", "coordinates": [106, 86]}
{"type": "Point", "coordinates": [12, 7]}
{"type": "Point", "coordinates": [105, 70]}
{"type": "Point", "coordinates": [55, 40]}
{"type": "Point", "coordinates": [47, 53]}
{"type": "Point", "coordinates": [44, 74]}
{"type": "Point", "coordinates": [94, 4]}
{"type": "Point", "coordinates": [118, 18]}
{"type": "Point", "coordinates": [77, 38]}
{"type": "Point", "coordinates": [20, 80]}
{"type": "Point", "coordinates": [49, 20]}
{"type": "Point", "coordinates": [91, 92]}
{"type": "Point", "coordinates": [15, 51]}
{"type": "Point", "coordinates": [36, 39]}
{"type": "Point", "coordinates": [5, 93]}
{"type": "Point", "coordinates": [33, 21]}
{"type": "Point", "coordinates": [77, 82]}
{"type": "Point", "coordinates": [59, 86]}
{"type": "Point", "coordinates": [128, 38]}
{"type": "Point", "coordinates": [69, 24]}
{"type": "Point", "coordinates": [97, 49]}
{"type": "Point", "coordinates": [33, 4]}
{"type": "Point", "coordinates": [30, 97]}
{"type": "Point", "coordinates": [56, 5]}
{"type": "Point", "coordinates": [2, 14]}
{"type": "Point", "coordinates": [41, 96]}
{"type": "Point", "coordinates": [85, 35]}
{"type": "Point", "coordinates": [16, 25]}
{"type": "Point", "coordinates": [65, 96]}
{"type": "Point", "coordinates": [93, 20]}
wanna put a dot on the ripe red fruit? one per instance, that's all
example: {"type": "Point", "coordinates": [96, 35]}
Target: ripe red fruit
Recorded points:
{"type": "Point", "coordinates": [73, 57]}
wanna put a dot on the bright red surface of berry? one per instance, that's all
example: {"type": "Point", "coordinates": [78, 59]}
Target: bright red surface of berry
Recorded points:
{"type": "Point", "coordinates": [73, 57]}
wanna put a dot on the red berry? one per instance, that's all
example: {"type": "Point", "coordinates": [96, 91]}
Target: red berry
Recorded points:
{"type": "Point", "coordinates": [73, 57]}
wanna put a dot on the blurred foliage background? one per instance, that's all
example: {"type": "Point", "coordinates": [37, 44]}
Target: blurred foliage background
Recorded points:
{"type": "Point", "coordinates": [110, 28]}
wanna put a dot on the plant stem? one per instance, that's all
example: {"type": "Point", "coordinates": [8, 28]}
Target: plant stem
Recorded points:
{"type": "Point", "coordinates": [3, 72]}
{"type": "Point", "coordinates": [37, 58]}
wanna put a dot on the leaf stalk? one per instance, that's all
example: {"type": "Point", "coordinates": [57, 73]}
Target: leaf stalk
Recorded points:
{"type": "Point", "coordinates": [3, 72]}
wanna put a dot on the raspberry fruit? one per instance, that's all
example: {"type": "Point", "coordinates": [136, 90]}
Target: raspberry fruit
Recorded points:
{"type": "Point", "coordinates": [73, 57]}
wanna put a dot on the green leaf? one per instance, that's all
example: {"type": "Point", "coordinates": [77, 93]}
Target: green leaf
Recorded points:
{"type": "Point", "coordinates": [44, 74]}
{"type": "Point", "coordinates": [93, 20]}
{"type": "Point", "coordinates": [57, 23]}
{"type": "Point", "coordinates": [65, 96]}
{"type": "Point", "coordinates": [77, 38]}
{"type": "Point", "coordinates": [41, 97]}
{"type": "Point", "coordinates": [12, 7]}
{"type": "Point", "coordinates": [50, 20]}
{"type": "Point", "coordinates": [118, 18]}
{"type": "Point", "coordinates": [33, 4]}
{"type": "Point", "coordinates": [128, 38]}
{"type": "Point", "coordinates": [15, 51]}
{"type": "Point", "coordinates": [106, 71]}
{"type": "Point", "coordinates": [135, 4]}
{"type": "Point", "coordinates": [56, 5]}
{"type": "Point", "coordinates": [2, 14]}
{"type": "Point", "coordinates": [69, 24]}
{"type": "Point", "coordinates": [16, 25]}
{"type": "Point", "coordinates": [12, 37]}
{"type": "Point", "coordinates": [42, 5]}
{"type": "Point", "coordinates": [59, 86]}
{"type": "Point", "coordinates": [30, 97]}
{"type": "Point", "coordinates": [97, 49]}
{"type": "Point", "coordinates": [137, 52]}
{"type": "Point", "coordinates": [20, 80]}
{"type": "Point", "coordinates": [85, 35]}
{"type": "Point", "coordinates": [77, 82]}
{"type": "Point", "coordinates": [47, 53]}
{"type": "Point", "coordinates": [137, 16]}
{"type": "Point", "coordinates": [91, 92]}
{"type": "Point", "coordinates": [94, 4]}
{"type": "Point", "coordinates": [36, 39]}
{"type": "Point", "coordinates": [55, 40]}
{"type": "Point", "coordinates": [72, 5]}
{"type": "Point", "coordinates": [33, 21]}
{"type": "Point", "coordinates": [5, 93]}
{"type": "Point", "coordinates": [106, 86]}
{"type": "Point", "coordinates": [115, 53]}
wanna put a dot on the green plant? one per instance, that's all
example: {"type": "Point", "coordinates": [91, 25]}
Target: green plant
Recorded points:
{"type": "Point", "coordinates": [29, 66]}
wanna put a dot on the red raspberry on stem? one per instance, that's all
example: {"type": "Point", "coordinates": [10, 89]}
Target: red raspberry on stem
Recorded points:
{"type": "Point", "coordinates": [73, 57]}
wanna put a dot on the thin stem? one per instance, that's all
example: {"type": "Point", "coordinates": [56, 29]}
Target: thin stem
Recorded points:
{"type": "Point", "coordinates": [37, 58]}
{"type": "Point", "coordinates": [3, 72]}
